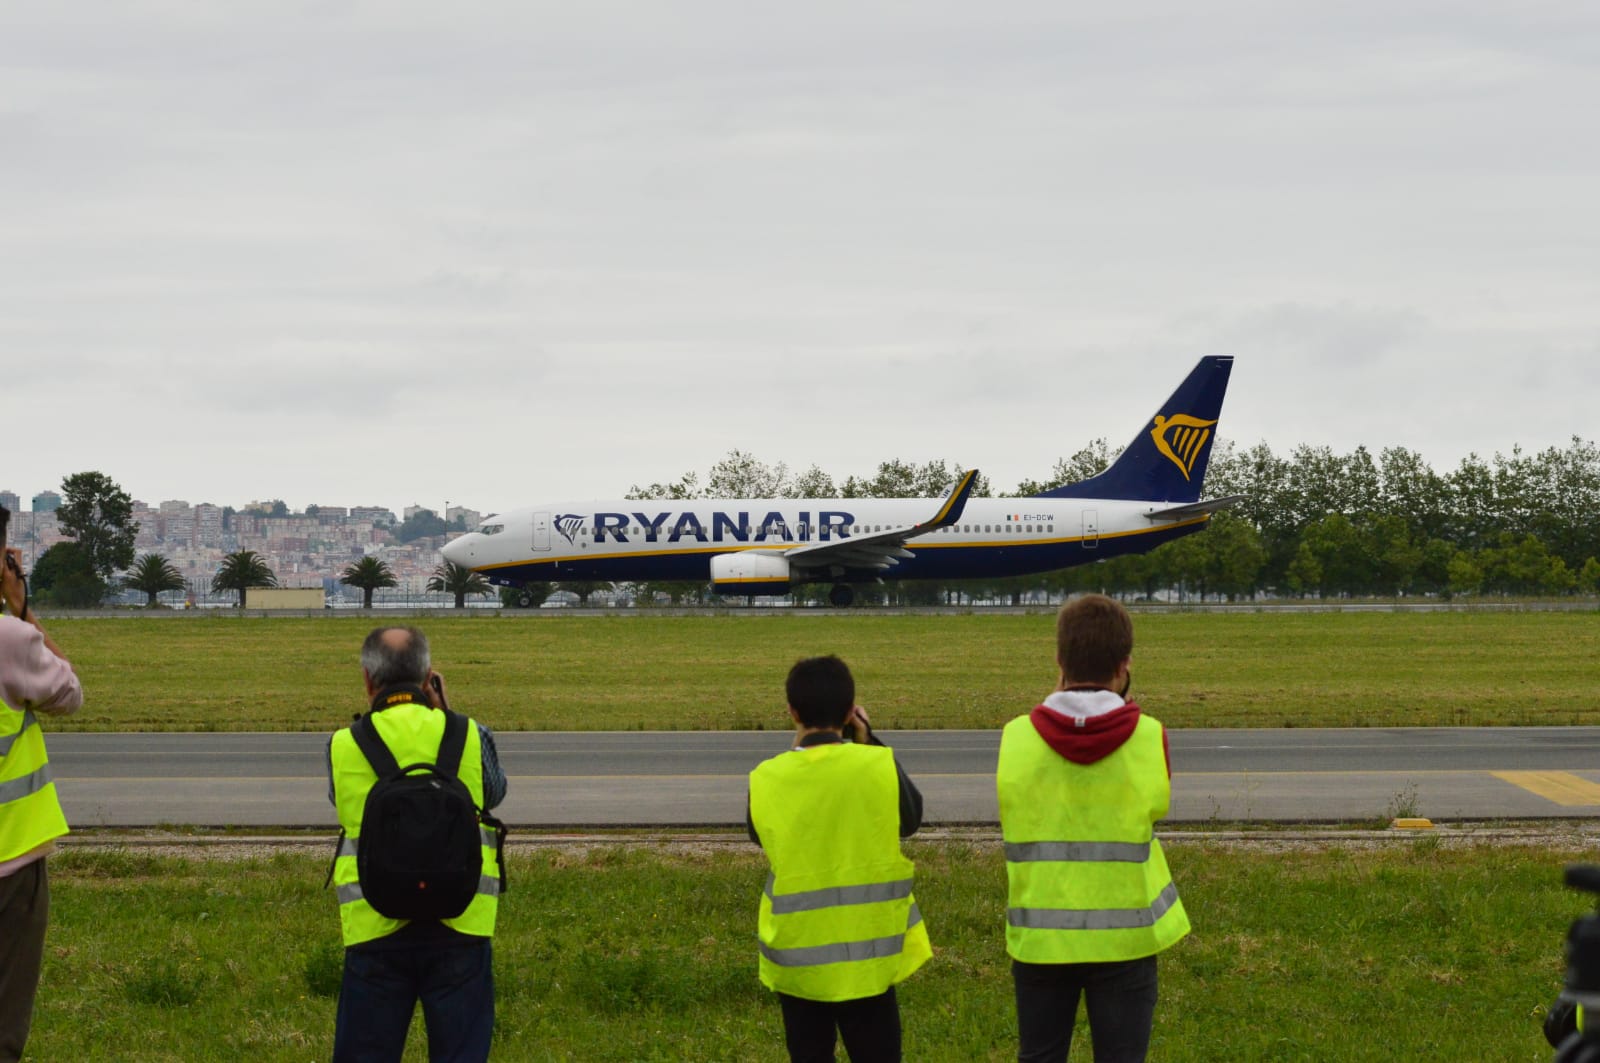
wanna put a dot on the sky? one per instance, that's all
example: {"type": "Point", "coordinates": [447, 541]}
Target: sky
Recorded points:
{"type": "Point", "coordinates": [487, 254]}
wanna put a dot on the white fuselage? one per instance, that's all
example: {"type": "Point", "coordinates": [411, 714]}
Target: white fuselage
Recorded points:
{"type": "Point", "coordinates": [676, 539]}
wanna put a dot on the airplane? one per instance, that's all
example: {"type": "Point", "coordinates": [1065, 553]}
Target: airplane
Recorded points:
{"type": "Point", "coordinates": [1150, 495]}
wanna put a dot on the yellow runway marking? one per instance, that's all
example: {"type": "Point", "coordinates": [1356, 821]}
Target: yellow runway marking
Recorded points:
{"type": "Point", "coordinates": [1561, 787]}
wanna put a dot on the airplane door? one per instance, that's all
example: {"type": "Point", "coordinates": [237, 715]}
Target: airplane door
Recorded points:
{"type": "Point", "coordinates": [541, 531]}
{"type": "Point", "coordinates": [1091, 529]}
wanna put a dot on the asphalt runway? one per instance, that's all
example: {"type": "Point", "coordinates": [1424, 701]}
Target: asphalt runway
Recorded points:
{"type": "Point", "coordinates": [573, 780]}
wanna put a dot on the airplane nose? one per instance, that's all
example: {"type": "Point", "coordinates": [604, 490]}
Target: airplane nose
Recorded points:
{"type": "Point", "coordinates": [461, 551]}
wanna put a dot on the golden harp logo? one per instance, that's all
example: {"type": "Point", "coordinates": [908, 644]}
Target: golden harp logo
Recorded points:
{"type": "Point", "coordinates": [1181, 438]}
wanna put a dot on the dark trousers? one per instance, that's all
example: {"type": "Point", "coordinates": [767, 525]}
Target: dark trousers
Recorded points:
{"type": "Point", "coordinates": [869, 1026]}
{"type": "Point", "coordinates": [24, 910]}
{"type": "Point", "coordinates": [1122, 1005]}
{"type": "Point", "coordinates": [381, 987]}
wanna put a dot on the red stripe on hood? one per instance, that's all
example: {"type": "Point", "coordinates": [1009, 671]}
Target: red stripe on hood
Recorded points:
{"type": "Point", "coordinates": [1084, 741]}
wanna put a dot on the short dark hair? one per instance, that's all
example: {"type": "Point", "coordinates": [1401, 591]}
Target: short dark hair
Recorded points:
{"type": "Point", "coordinates": [391, 665]}
{"type": "Point", "coordinates": [1094, 635]}
{"type": "Point", "coordinates": [821, 691]}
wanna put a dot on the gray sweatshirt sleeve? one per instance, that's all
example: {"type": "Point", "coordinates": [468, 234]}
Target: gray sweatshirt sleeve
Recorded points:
{"type": "Point", "coordinates": [494, 777]}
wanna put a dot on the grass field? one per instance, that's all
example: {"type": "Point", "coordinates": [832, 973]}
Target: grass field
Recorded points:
{"type": "Point", "coordinates": [1418, 951]}
{"type": "Point", "coordinates": [726, 672]}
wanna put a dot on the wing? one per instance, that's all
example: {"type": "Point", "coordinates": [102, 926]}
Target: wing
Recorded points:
{"type": "Point", "coordinates": [882, 550]}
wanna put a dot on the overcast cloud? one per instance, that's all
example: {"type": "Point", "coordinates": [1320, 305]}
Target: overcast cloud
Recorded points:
{"type": "Point", "coordinates": [384, 253]}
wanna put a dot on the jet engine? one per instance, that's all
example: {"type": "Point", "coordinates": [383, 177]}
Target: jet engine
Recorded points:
{"type": "Point", "coordinates": [749, 573]}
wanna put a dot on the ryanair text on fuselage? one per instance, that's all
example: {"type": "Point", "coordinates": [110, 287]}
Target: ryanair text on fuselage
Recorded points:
{"type": "Point", "coordinates": [738, 526]}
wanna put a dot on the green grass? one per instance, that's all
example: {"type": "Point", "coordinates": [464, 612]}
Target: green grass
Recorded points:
{"type": "Point", "coordinates": [1418, 951]}
{"type": "Point", "coordinates": [962, 671]}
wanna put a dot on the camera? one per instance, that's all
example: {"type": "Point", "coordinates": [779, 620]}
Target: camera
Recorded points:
{"type": "Point", "coordinates": [10, 561]}
{"type": "Point", "coordinates": [1576, 1013]}
{"type": "Point", "coordinates": [5, 522]}
{"type": "Point", "coordinates": [436, 689]}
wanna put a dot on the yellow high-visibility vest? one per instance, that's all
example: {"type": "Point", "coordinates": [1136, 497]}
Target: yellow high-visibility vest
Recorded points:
{"type": "Point", "coordinates": [838, 920]}
{"type": "Point", "coordinates": [30, 812]}
{"type": "Point", "coordinates": [1088, 881]}
{"type": "Point", "coordinates": [412, 732]}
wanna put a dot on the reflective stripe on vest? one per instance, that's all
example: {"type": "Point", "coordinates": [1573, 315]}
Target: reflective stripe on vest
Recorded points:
{"type": "Point", "coordinates": [1095, 852]}
{"type": "Point", "coordinates": [843, 951]}
{"type": "Point", "coordinates": [488, 886]}
{"type": "Point", "coordinates": [6, 742]}
{"type": "Point", "coordinates": [1094, 918]}
{"type": "Point", "coordinates": [1087, 879]}
{"type": "Point", "coordinates": [16, 789]}
{"type": "Point", "coordinates": [350, 892]}
{"type": "Point", "coordinates": [486, 838]}
{"type": "Point", "coordinates": [837, 896]}
{"type": "Point", "coordinates": [412, 733]}
{"type": "Point", "coordinates": [30, 813]}
{"type": "Point", "coordinates": [837, 918]}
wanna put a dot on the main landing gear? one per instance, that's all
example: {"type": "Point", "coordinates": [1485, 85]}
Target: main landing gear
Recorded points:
{"type": "Point", "coordinates": [842, 595]}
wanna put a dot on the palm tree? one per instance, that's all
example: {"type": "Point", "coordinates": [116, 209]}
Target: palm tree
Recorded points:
{"type": "Point", "coordinates": [369, 574]}
{"type": "Point", "coordinates": [458, 580]}
{"type": "Point", "coordinates": [583, 588]}
{"type": "Point", "coordinates": [526, 595]}
{"type": "Point", "coordinates": [242, 570]}
{"type": "Point", "coordinates": [153, 574]}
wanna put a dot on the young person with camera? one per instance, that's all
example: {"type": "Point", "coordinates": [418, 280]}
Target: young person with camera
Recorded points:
{"type": "Point", "coordinates": [35, 678]}
{"type": "Point", "coordinates": [838, 927]}
{"type": "Point", "coordinates": [1082, 781]}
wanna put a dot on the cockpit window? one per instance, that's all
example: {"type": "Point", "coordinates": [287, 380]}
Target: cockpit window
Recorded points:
{"type": "Point", "coordinates": [491, 529]}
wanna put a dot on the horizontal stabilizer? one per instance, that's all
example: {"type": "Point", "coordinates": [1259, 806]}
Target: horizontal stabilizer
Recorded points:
{"type": "Point", "coordinates": [1195, 509]}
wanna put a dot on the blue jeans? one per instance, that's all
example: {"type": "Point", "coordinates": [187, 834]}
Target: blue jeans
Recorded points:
{"type": "Point", "coordinates": [1121, 998]}
{"type": "Point", "coordinates": [381, 987]}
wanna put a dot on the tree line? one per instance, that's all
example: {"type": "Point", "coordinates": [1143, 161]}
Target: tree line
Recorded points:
{"type": "Point", "coordinates": [1317, 523]}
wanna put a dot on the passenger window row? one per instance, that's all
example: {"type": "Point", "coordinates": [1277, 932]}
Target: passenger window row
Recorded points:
{"type": "Point", "coordinates": [855, 529]}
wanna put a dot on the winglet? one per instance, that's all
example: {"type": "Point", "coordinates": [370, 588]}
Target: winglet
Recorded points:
{"type": "Point", "coordinates": [955, 502]}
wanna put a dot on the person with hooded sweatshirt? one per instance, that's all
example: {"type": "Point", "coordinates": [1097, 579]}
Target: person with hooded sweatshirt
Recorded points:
{"type": "Point", "coordinates": [1082, 781]}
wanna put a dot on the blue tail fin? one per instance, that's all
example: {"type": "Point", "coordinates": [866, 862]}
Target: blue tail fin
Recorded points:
{"type": "Point", "coordinates": [1167, 461]}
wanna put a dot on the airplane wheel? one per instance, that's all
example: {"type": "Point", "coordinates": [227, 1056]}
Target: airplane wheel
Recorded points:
{"type": "Point", "coordinates": [841, 595]}
{"type": "Point", "coordinates": [525, 600]}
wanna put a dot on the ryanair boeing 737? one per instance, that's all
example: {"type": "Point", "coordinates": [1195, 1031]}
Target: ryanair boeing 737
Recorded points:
{"type": "Point", "coordinates": [1149, 496]}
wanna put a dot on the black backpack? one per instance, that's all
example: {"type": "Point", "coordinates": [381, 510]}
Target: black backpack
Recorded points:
{"type": "Point", "coordinates": [420, 852]}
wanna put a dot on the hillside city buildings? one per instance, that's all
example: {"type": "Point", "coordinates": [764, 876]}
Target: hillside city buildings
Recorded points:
{"type": "Point", "coordinates": [306, 549]}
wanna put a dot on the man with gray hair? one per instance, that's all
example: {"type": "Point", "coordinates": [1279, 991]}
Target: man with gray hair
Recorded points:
{"type": "Point", "coordinates": [390, 961]}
